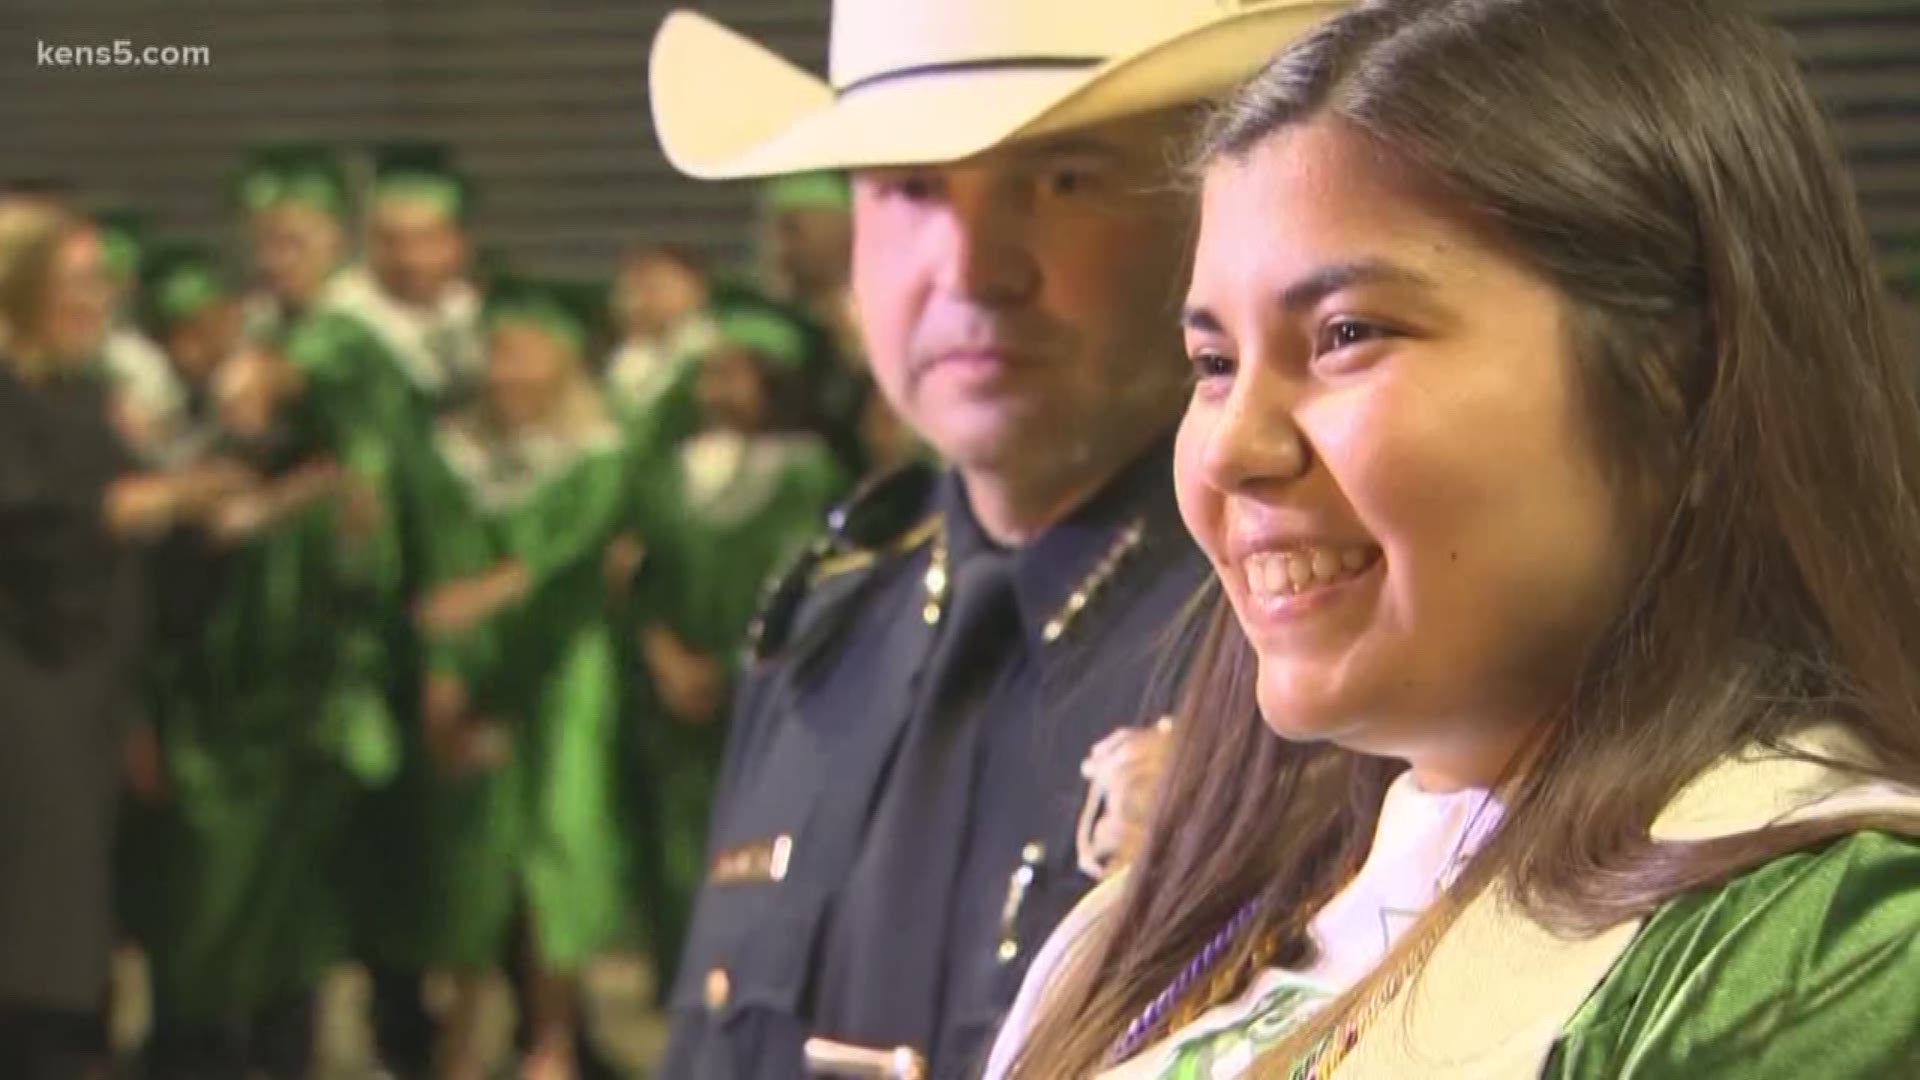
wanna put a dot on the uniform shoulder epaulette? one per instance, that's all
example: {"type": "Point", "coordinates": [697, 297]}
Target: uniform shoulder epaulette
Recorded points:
{"type": "Point", "coordinates": [857, 559]}
{"type": "Point", "coordinates": [886, 514]}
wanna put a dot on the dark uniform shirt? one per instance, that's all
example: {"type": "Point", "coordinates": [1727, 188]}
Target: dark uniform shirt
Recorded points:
{"type": "Point", "coordinates": [834, 832]}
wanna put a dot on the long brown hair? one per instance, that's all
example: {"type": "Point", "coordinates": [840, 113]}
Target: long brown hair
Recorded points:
{"type": "Point", "coordinates": [1660, 162]}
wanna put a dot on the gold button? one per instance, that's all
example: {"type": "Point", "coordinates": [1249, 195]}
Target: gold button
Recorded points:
{"type": "Point", "coordinates": [719, 989]}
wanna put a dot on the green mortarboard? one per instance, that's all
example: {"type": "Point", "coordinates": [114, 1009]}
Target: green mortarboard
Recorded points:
{"type": "Point", "coordinates": [180, 281]}
{"type": "Point", "coordinates": [807, 191]}
{"type": "Point", "coordinates": [421, 172]}
{"type": "Point", "coordinates": [766, 334]}
{"type": "Point", "coordinates": [573, 311]}
{"type": "Point", "coordinates": [123, 236]}
{"type": "Point", "coordinates": [306, 175]}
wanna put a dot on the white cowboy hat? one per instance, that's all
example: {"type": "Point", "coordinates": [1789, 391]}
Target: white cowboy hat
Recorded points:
{"type": "Point", "coordinates": [931, 81]}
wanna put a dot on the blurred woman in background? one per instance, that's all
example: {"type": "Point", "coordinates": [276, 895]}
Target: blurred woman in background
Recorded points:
{"type": "Point", "coordinates": [70, 623]}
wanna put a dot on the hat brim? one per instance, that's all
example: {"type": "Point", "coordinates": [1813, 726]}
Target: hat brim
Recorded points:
{"type": "Point", "coordinates": [727, 108]}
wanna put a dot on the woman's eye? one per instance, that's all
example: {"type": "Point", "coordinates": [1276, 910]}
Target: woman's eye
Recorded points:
{"type": "Point", "coordinates": [1211, 365]}
{"type": "Point", "coordinates": [1343, 333]}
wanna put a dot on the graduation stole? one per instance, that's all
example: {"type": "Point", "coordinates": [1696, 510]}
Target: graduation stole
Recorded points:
{"type": "Point", "coordinates": [437, 350]}
{"type": "Point", "coordinates": [639, 375]}
{"type": "Point", "coordinates": [1499, 988]}
{"type": "Point", "coordinates": [501, 470]}
{"type": "Point", "coordinates": [264, 321]}
{"type": "Point", "coordinates": [728, 477]}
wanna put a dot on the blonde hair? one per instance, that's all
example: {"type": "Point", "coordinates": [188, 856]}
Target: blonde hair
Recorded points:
{"type": "Point", "coordinates": [31, 231]}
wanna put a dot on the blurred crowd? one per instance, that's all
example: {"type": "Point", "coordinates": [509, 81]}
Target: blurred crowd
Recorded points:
{"type": "Point", "coordinates": [365, 602]}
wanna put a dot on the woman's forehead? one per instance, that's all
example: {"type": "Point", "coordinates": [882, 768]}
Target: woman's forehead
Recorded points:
{"type": "Point", "coordinates": [1314, 209]}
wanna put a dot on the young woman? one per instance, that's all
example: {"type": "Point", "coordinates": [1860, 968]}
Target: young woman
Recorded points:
{"type": "Point", "coordinates": [1562, 484]}
{"type": "Point", "coordinates": [521, 701]}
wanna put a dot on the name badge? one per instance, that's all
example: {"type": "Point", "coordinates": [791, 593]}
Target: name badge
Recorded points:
{"type": "Point", "coordinates": [757, 863]}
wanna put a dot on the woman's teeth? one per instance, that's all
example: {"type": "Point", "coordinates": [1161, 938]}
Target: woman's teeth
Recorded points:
{"type": "Point", "coordinates": [1289, 573]}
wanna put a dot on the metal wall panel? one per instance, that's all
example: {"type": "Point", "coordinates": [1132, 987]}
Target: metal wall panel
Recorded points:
{"type": "Point", "coordinates": [1863, 58]}
{"type": "Point", "coordinates": [546, 106]}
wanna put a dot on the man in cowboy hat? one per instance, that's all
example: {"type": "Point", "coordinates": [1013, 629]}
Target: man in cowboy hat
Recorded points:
{"type": "Point", "coordinates": [895, 829]}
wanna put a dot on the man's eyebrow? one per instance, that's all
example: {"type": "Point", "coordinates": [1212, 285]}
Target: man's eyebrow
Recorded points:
{"type": "Point", "coordinates": [1067, 146]}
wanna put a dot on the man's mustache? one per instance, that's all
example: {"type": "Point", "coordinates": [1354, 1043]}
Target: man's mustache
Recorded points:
{"type": "Point", "coordinates": [1029, 340]}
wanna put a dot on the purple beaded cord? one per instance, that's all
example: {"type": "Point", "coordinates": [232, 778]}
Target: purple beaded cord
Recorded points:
{"type": "Point", "coordinates": [1198, 968]}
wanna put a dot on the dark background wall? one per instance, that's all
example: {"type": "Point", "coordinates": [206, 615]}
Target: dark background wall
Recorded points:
{"type": "Point", "coordinates": [1863, 57]}
{"type": "Point", "coordinates": [546, 106]}
{"type": "Point", "coordinates": [544, 103]}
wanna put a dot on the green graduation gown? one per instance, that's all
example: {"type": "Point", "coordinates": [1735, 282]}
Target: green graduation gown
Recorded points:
{"type": "Point", "coordinates": [1806, 967]}
{"type": "Point", "coordinates": [748, 505]}
{"type": "Point", "coordinates": [542, 831]}
{"type": "Point", "coordinates": [271, 718]}
{"type": "Point", "coordinates": [375, 381]}
{"type": "Point", "coordinates": [368, 405]}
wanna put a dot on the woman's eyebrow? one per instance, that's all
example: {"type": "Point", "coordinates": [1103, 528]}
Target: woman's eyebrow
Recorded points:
{"type": "Point", "coordinates": [1324, 281]}
{"type": "Point", "coordinates": [1316, 285]}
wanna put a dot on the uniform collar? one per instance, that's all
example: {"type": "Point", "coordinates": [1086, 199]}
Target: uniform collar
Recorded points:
{"type": "Point", "coordinates": [1067, 557]}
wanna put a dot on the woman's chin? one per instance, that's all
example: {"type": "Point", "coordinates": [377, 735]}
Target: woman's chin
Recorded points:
{"type": "Point", "coordinates": [1296, 709]}
{"type": "Point", "coordinates": [1299, 721]}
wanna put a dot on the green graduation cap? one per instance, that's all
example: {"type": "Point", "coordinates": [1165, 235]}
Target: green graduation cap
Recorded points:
{"type": "Point", "coordinates": [421, 172]}
{"type": "Point", "coordinates": [294, 174]}
{"type": "Point", "coordinates": [573, 311]}
{"type": "Point", "coordinates": [807, 191]}
{"type": "Point", "coordinates": [766, 334]}
{"type": "Point", "coordinates": [123, 236]}
{"type": "Point", "coordinates": [180, 281]}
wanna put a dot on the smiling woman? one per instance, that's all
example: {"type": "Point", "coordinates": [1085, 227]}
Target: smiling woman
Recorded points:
{"type": "Point", "coordinates": [1553, 718]}
{"type": "Point", "coordinates": [1381, 386]}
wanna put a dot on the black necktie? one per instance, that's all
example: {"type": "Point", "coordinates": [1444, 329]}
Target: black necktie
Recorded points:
{"type": "Point", "coordinates": [895, 915]}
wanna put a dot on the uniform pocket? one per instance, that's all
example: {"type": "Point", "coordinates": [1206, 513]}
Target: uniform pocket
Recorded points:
{"type": "Point", "coordinates": [749, 949]}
